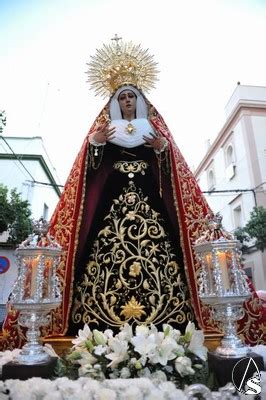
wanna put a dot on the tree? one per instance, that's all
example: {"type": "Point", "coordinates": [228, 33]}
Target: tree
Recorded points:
{"type": "Point", "coordinates": [14, 215]}
{"type": "Point", "coordinates": [243, 237]}
{"type": "Point", "coordinates": [2, 120]}
{"type": "Point", "coordinates": [255, 228]}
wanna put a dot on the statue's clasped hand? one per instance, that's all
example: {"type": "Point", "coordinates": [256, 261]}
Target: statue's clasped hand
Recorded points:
{"type": "Point", "coordinates": [156, 141]}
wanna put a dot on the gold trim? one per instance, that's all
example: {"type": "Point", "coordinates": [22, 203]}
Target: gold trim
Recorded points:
{"type": "Point", "coordinates": [131, 167]}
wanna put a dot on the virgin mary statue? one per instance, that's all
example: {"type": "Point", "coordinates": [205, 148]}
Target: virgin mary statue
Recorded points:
{"type": "Point", "coordinates": [129, 215]}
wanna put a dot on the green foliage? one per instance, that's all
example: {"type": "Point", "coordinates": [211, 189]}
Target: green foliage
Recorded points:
{"type": "Point", "coordinates": [4, 208]}
{"type": "Point", "coordinates": [256, 227]}
{"type": "Point", "coordinates": [2, 120]}
{"type": "Point", "coordinates": [14, 215]}
{"type": "Point", "coordinates": [243, 237]}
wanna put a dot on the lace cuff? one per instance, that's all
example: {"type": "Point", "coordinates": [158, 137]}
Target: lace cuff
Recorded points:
{"type": "Point", "coordinates": [164, 147]}
{"type": "Point", "coordinates": [93, 142]}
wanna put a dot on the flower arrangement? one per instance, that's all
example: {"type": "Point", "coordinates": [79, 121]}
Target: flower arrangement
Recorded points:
{"type": "Point", "coordinates": [159, 355]}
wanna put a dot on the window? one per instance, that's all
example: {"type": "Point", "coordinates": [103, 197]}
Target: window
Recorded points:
{"type": "Point", "coordinates": [230, 162]}
{"type": "Point", "coordinates": [229, 157]}
{"type": "Point", "coordinates": [211, 179]}
{"type": "Point", "coordinates": [237, 213]}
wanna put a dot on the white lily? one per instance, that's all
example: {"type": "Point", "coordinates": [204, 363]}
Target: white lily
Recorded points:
{"type": "Point", "coordinates": [99, 350]}
{"type": "Point", "coordinates": [119, 353]}
{"type": "Point", "coordinates": [190, 329]}
{"type": "Point", "coordinates": [168, 330]}
{"type": "Point", "coordinates": [196, 345]}
{"type": "Point", "coordinates": [108, 333]}
{"type": "Point", "coordinates": [196, 339]}
{"type": "Point", "coordinates": [99, 337]}
{"type": "Point", "coordinates": [183, 366]}
{"type": "Point", "coordinates": [83, 335]}
{"type": "Point", "coordinates": [144, 345]}
{"type": "Point", "coordinates": [164, 351]}
{"type": "Point", "coordinates": [142, 330]}
{"type": "Point", "coordinates": [86, 359]}
{"type": "Point", "coordinates": [50, 350]}
{"type": "Point", "coordinates": [126, 333]}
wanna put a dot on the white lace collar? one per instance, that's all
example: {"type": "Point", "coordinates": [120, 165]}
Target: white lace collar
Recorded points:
{"type": "Point", "coordinates": [130, 134]}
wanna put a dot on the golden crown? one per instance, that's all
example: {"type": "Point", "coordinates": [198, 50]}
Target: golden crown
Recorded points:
{"type": "Point", "coordinates": [121, 63]}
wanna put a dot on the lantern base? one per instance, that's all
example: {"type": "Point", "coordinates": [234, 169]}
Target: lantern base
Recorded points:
{"type": "Point", "coordinates": [232, 349]}
{"type": "Point", "coordinates": [13, 370]}
{"type": "Point", "coordinates": [33, 353]}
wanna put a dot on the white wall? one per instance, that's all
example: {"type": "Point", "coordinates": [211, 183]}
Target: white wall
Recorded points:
{"type": "Point", "coordinates": [259, 128]}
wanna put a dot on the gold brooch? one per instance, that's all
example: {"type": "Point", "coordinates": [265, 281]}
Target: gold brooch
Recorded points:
{"type": "Point", "coordinates": [130, 129]}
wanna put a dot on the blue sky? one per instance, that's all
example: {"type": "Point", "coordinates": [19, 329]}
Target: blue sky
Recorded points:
{"type": "Point", "coordinates": [203, 49]}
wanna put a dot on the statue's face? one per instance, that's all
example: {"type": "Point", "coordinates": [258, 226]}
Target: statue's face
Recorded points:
{"type": "Point", "coordinates": [127, 101]}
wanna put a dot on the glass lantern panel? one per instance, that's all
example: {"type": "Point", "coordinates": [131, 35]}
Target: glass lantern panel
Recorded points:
{"type": "Point", "coordinates": [209, 264]}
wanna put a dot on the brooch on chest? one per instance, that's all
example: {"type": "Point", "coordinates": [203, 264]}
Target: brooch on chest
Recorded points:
{"type": "Point", "coordinates": [130, 129]}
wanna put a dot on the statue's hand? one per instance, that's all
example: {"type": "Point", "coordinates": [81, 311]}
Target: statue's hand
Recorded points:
{"type": "Point", "coordinates": [103, 134]}
{"type": "Point", "coordinates": [157, 142]}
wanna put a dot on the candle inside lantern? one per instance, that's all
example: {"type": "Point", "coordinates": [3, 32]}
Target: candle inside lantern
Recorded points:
{"type": "Point", "coordinates": [224, 269]}
{"type": "Point", "coordinates": [34, 269]}
{"type": "Point", "coordinates": [208, 262]}
{"type": "Point", "coordinates": [47, 277]}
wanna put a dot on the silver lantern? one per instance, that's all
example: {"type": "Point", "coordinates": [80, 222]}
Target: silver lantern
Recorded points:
{"type": "Point", "coordinates": [36, 290]}
{"type": "Point", "coordinates": [222, 282]}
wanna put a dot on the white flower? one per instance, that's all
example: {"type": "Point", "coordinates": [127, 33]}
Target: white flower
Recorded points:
{"type": "Point", "coordinates": [183, 366]}
{"type": "Point", "coordinates": [142, 330]}
{"type": "Point", "coordinates": [196, 345]}
{"type": "Point", "coordinates": [170, 392]}
{"type": "Point", "coordinates": [144, 344]}
{"type": "Point", "coordinates": [144, 373]}
{"type": "Point", "coordinates": [90, 385]}
{"type": "Point", "coordinates": [190, 329]}
{"type": "Point", "coordinates": [164, 351]}
{"type": "Point", "coordinates": [126, 333]}
{"type": "Point", "coordinates": [55, 395]}
{"type": "Point", "coordinates": [7, 356]}
{"type": "Point", "coordinates": [168, 330]}
{"type": "Point", "coordinates": [106, 394]}
{"type": "Point", "coordinates": [83, 335]}
{"type": "Point", "coordinates": [84, 369]}
{"type": "Point", "coordinates": [133, 393]}
{"type": "Point", "coordinates": [155, 394]}
{"type": "Point", "coordinates": [99, 350]}
{"type": "Point", "coordinates": [86, 360]}
{"type": "Point", "coordinates": [125, 373]}
{"type": "Point", "coordinates": [119, 352]}
{"type": "Point", "coordinates": [158, 376]}
{"type": "Point", "coordinates": [99, 337]}
{"type": "Point", "coordinates": [49, 350]}
{"type": "Point", "coordinates": [108, 333]}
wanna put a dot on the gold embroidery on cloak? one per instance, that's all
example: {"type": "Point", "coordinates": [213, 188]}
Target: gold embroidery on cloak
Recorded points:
{"type": "Point", "coordinates": [132, 274]}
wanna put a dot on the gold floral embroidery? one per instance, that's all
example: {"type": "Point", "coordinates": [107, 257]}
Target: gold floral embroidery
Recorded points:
{"type": "Point", "coordinates": [132, 274]}
{"type": "Point", "coordinates": [133, 309]}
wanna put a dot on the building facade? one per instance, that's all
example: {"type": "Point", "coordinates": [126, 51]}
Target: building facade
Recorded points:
{"type": "Point", "coordinates": [233, 172]}
{"type": "Point", "coordinates": [25, 165]}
